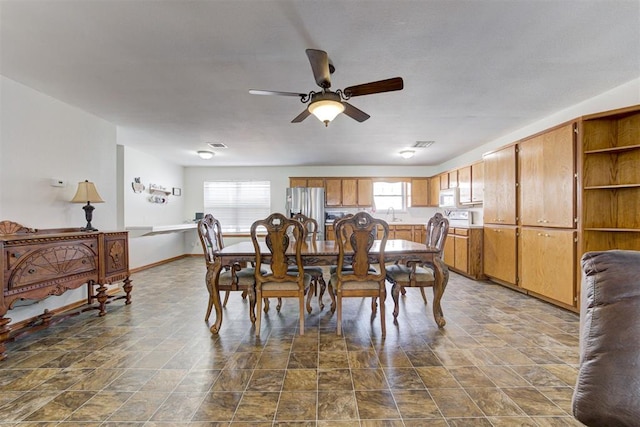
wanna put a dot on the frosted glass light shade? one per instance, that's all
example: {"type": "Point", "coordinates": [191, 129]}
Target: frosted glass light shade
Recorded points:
{"type": "Point", "coordinates": [326, 110]}
{"type": "Point", "coordinates": [407, 154]}
{"type": "Point", "coordinates": [206, 155]}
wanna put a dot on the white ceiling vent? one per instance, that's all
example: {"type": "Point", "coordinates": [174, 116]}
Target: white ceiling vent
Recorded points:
{"type": "Point", "coordinates": [217, 145]}
{"type": "Point", "coordinates": [423, 144]}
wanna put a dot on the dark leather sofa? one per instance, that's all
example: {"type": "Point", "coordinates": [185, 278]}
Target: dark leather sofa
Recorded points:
{"type": "Point", "coordinates": [607, 391]}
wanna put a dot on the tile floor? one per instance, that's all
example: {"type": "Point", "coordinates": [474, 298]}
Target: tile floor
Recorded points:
{"type": "Point", "coordinates": [503, 359]}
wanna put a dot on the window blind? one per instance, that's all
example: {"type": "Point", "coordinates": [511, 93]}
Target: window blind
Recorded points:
{"type": "Point", "coordinates": [237, 204]}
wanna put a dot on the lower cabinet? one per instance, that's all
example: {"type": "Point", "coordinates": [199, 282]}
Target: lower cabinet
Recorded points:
{"type": "Point", "coordinates": [546, 261]}
{"type": "Point", "coordinates": [463, 251]}
{"type": "Point", "coordinates": [500, 253]}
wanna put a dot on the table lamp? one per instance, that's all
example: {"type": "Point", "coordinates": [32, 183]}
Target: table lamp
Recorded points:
{"type": "Point", "coordinates": [87, 193]}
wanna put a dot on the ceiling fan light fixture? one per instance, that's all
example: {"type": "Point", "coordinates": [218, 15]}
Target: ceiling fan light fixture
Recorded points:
{"type": "Point", "coordinates": [407, 154]}
{"type": "Point", "coordinates": [205, 154]}
{"type": "Point", "coordinates": [326, 109]}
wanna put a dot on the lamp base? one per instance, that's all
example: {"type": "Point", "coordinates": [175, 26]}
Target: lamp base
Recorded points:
{"type": "Point", "coordinates": [88, 214]}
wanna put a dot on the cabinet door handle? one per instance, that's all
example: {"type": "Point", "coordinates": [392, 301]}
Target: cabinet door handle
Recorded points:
{"type": "Point", "coordinates": [544, 235]}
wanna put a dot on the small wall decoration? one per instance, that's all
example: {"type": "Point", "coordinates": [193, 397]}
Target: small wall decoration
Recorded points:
{"type": "Point", "coordinates": [138, 187]}
{"type": "Point", "coordinates": [159, 194]}
{"type": "Point", "coordinates": [177, 191]}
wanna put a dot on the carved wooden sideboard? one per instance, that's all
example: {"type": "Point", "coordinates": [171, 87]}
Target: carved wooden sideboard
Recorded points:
{"type": "Point", "coordinates": [39, 263]}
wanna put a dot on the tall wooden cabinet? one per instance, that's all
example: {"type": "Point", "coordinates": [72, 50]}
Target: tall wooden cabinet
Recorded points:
{"type": "Point", "coordinates": [500, 231]}
{"type": "Point", "coordinates": [547, 244]}
{"type": "Point", "coordinates": [610, 145]}
{"type": "Point", "coordinates": [500, 183]}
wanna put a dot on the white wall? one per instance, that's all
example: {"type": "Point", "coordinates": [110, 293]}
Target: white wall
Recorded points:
{"type": "Point", "coordinates": [625, 95]}
{"type": "Point", "coordinates": [42, 138]}
{"type": "Point", "coordinates": [139, 211]}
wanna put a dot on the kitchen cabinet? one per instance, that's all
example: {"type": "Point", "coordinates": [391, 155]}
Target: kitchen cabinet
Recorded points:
{"type": "Point", "coordinates": [453, 179]}
{"type": "Point", "coordinates": [444, 180]}
{"type": "Point", "coordinates": [333, 192]}
{"type": "Point", "coordinates": [348, 192]}
{"type": "Point", "coordinates": [548, 178]}
{"type": "Point", "coordinates": [546, 260]}
{"type": "Point", "coordinates": [477, 183]}
{"type": "Point", "coordinates": [404, 232]}
{"type": "Point", "coordinates": [464, 184]}
{"type": "Point", "coordinates": [419, 192]}
{"type": "Point", "coordinates": [463, 251]}
{"type": "Point", "coordinates": [434, 191]}
{"type": "Point", "coordinates": [610, 147]}
{"type": "Point", "coordinates": [306, 182]}
{"type": "Point", "coordinates": [500, 253]}
{"type": "Point", "coordinates": [365, 192]}
{"type": "Point", "coordinates": [329, 232]}
{"type": "Point", "coordinates": [500, 182]}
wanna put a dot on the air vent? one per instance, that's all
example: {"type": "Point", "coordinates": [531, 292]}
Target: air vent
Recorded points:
{"type": "Point", "coordinates": [217, 145]}
{"type": "Point", "coordinates": [423, 144]}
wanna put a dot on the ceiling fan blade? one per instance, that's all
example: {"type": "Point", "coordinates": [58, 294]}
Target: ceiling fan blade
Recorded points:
{"type": "Point", "coordinates": [271, 92]}
{"type": "Point", "coordinates": [388, 85]}
{"type": "Point", "coordinates": [355, 113]}
{"type": "Point", "coordinates": [320, 65]}
{"type": "Point", "coordinates": [305, 113]}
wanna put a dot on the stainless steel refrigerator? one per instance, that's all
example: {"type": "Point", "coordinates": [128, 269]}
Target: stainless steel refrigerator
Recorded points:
{"type": "Point", "coordinates": [308, 201]}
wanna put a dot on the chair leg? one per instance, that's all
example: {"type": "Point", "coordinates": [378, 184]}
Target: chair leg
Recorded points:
{"type": "Point", "coordinates": [333, 297]}
{"type": "Point", "coordinates": [266, 305]}
{"type": "Point", "coordinates": [403, 290]}
{"type": "Point", "coordinates": [226, 298]}
{"type": "Point", "coordinates": [279, 306]}
{"type": "Point", "coordinates": [301, 304]}
{"type": "Point", "coordinates": [251, 292]}
{"type": "Point", "coordinates": [310, 293]}
{"type": "Point", "coordinates": [395, 294]}
{"type": "Point", "coordinates": [383, 324]}
{"type": "Point", "coordinates": [323, 286]}
{"type": "Point", "coordinates": [374, 305]}
{"type": "Point", "coordinates": [339, 315]}
{"type": "Point", "coordinates": [424, 297]}
{"type": "Point", "coordinates": [258, 310]}
{"type": "Point", "coordinates": [206, 316]}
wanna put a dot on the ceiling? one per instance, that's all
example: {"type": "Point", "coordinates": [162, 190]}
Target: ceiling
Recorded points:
{"type": "Point", "coordinates": [175, 75]}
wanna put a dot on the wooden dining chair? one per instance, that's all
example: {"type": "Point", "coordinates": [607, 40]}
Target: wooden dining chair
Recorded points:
{"type": "Point", "coordinates": [421, 275]}
{"type": "Point", "coordinates": [223, 277]}
{"type": "Point", "coordinates": [355, 238]}
{"type": "Point", "coordinates": [309, 236]}
{"type": "Point", "coordinates": [279, 282]}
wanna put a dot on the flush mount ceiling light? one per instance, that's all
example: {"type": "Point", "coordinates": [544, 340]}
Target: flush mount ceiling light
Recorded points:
{"type": "Point", "coordinates": [326, 107]}
{"type": "Point", "coordinates": [407, 154]}
{"type": "Point", "coordinates": [205, 154]}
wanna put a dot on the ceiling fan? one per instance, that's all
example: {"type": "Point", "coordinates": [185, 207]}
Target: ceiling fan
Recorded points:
{"type": "Point", "coordinates": [327, 104]}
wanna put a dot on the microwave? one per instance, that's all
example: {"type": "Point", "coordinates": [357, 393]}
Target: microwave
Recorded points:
{"type": "Point", "coordinates": [449, 198]}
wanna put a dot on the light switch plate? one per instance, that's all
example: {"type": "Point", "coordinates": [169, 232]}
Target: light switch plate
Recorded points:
{"type": "Point", "coordinates": [57, 182]}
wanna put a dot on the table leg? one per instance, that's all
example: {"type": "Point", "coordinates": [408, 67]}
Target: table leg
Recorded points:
{"type": "Point", "coordinates": [442, 278]}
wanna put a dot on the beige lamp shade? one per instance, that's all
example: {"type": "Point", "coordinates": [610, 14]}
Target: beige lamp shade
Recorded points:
{"type": "Point", "coordinates": [86, 193]}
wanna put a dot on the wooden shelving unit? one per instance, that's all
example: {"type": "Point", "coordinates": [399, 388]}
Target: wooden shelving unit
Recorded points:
{"type": "Point", "coordinates": [611, 181]}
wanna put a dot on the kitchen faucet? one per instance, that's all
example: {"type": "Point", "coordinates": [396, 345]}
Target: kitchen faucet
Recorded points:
{"type": "Point", "coordinates": [393, 213]}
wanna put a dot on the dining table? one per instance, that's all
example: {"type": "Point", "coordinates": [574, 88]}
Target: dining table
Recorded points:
{"type": "Point", "coordinates": [325, 253]}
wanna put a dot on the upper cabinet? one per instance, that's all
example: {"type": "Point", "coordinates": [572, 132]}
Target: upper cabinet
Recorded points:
{"type": "Point", "coordinates": [419, 192]}
{"type": "Point", "coordinates": [348, 192]}
{"type": "Point", "coordinates": [548, 178]}
{"type": "Point", "coordinates": [333, 192]}
{"type": "Point", "coordinates": [500, 186]}
{"type": "Point", "coordinates": [477, 183]}
{"type": "Point", "coordinates": [306, 182]}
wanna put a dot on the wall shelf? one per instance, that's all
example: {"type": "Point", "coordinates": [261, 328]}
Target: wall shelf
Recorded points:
{"type": "Point", "coordinates": [151, 230]}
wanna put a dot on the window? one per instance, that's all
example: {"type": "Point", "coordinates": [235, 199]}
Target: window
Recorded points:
{"type": "Point", "coordinates": [387, 195]}
{"type": "Point", "coordinates": [237, 204]}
